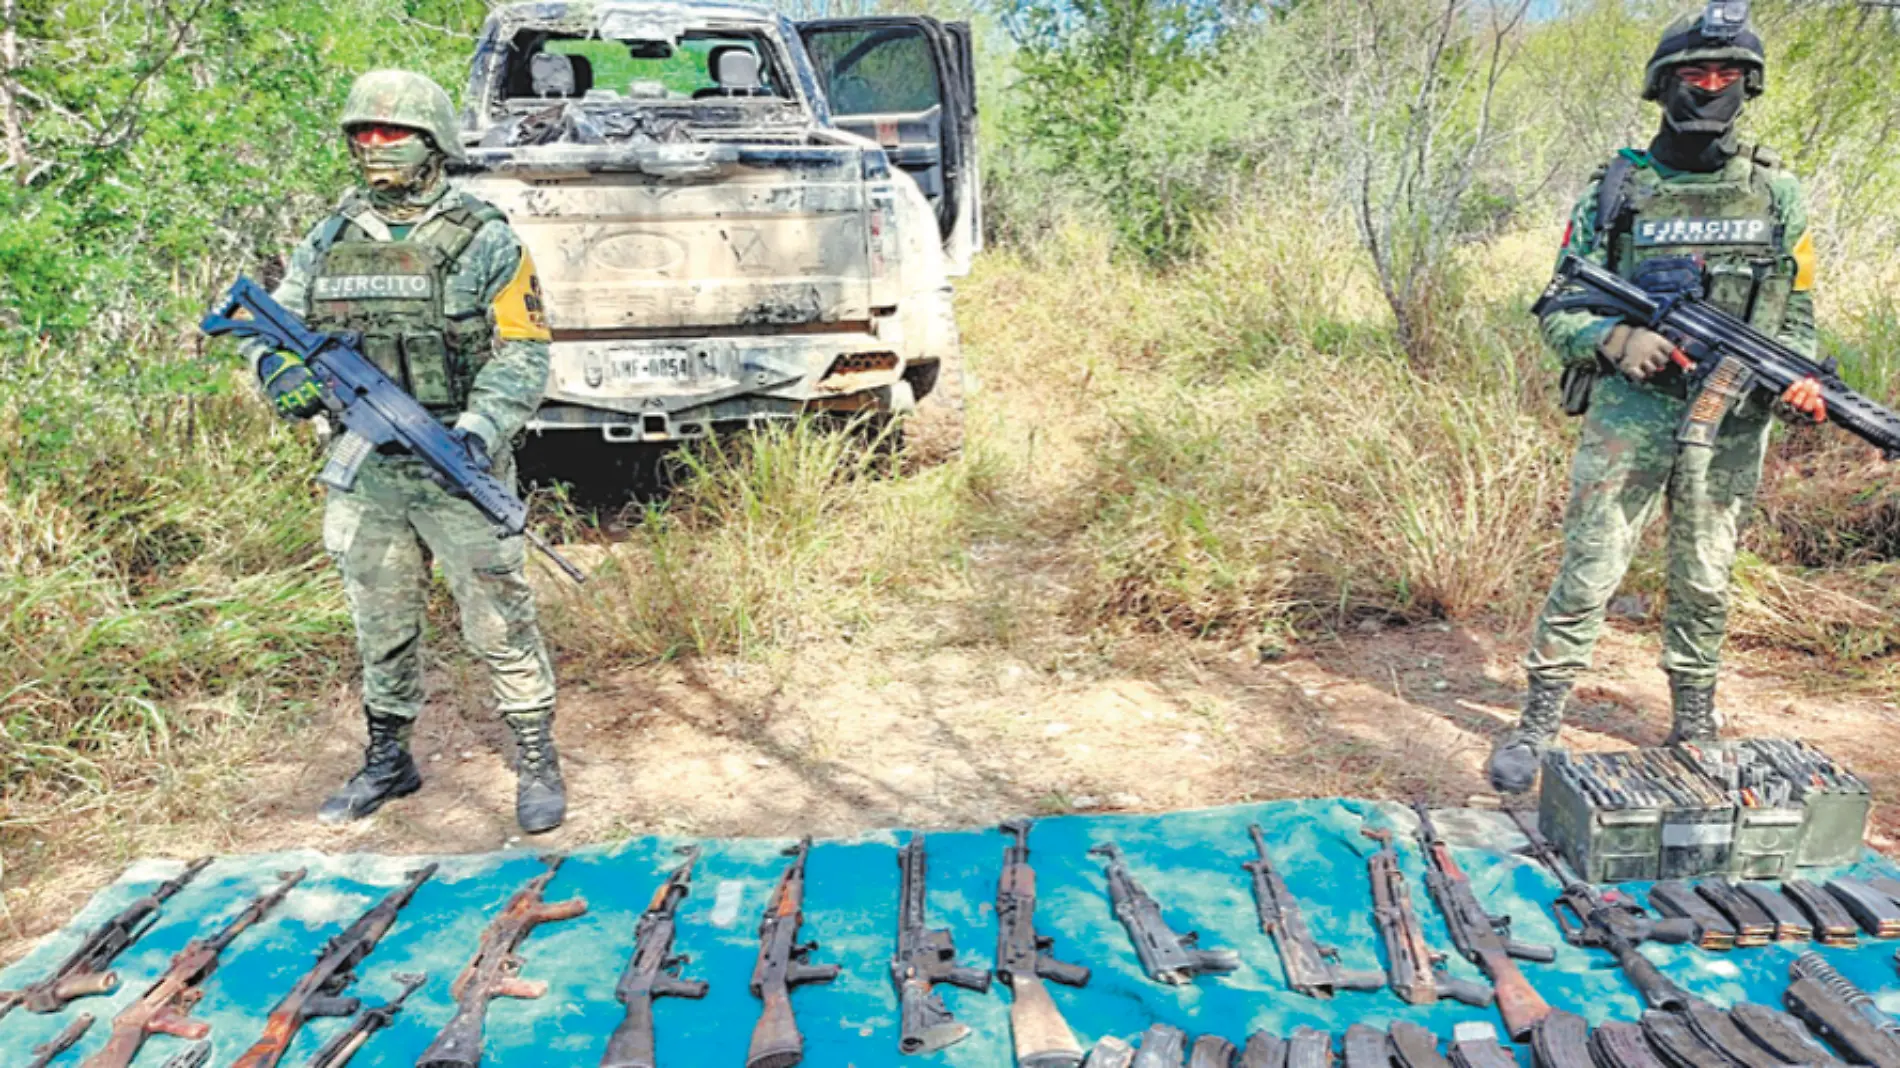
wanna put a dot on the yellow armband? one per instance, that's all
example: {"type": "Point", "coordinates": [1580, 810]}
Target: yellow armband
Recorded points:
{"type": "Point", "coordinates": [519, 312]}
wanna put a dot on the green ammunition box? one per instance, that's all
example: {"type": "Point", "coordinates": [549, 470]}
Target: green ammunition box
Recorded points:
{"type": "Point", "coordinates": [1836, 827]}
{"type": "Point", "coordinates": [1603, 842]}
{"type": "Point", "coordinates": [1696, 840]}
{"type": "Point", "coordinates": [1767, 841]}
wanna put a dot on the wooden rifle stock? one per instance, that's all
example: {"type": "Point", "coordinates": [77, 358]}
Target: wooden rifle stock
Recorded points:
{"type": "Point", "coordinates": [1042, 1036]}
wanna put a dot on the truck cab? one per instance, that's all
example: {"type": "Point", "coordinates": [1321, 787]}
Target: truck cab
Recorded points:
{"type": "Point", "coordinates": [736, 218]}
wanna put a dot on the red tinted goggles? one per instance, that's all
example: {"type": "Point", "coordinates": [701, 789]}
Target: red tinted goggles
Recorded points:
{"type": "Point", "coordinates": [377, 135]}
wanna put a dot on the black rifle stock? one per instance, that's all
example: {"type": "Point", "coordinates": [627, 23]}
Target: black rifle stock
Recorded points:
{"type": "Point", "coordinates": [1417, 973]}
{"type": "Point", "coordinates": [924, 958]}
{"type": "Point", "coordinates": [1167, 957]}
{"type": "Point", "coordinates": [1484, 940]}
{"type": "Point", "coordinates": [165, 1007]}
{"type": "Point", "coordinates": [1042, 1037]}
{"type": "Point", "coordinates": [1729, 356]}
{"type": "Point", "coordinates": [1311, 969]}
{"type": "Point", "coordinates": [372, 409]}
{"type": "Point", "coordinates": [653, 972]}
{"type": "Point", "coordinates": [86, 971]}
{"type": "Point", "coordinates": [343, 1045]}
{"type": "Point", "coordinates": [495, 970]}
{"type": "Point", "coordinates": [781, 966]}
{"type": "Point", "coordinates": [1590, 920]}
{"type": "Point", "coordinates": [320, 991]}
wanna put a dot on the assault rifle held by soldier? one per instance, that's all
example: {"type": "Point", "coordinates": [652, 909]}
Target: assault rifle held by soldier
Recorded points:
{"type": "Point", "coordinates": [1311, 969]}
{"type": "Point", "coordinates": [923, 959]}
{"type": "Point", "coordinates": [653, 972]}
{"type": "Point", "coordinates": [166, 1005]}
{"type": "Point", "coordinates": [495, 970]}
{"type": "Point", "coordinates": [1594, 921]}
{"type": "Point", "coordinates": [781, 966]}
{"type": "Point", "coordinates": [343, 1045]}
{"type": "Point", "coordinates": [319, 992]}
{"type": "Point", "coordinates": [373, 410]}
{"type": "Point", "coordinates": [1417, 973]}
{"type": "Point", "coordinates": [1167, 957]}
{"type": "Point", "coordinates": [1042, 1037]}
{"type": "Point", "coordinates": [1724, 357]}
{"type": "Point", "coordinates": [1484, 940]}
{"type": "Point", "coordinates": [86, 971]}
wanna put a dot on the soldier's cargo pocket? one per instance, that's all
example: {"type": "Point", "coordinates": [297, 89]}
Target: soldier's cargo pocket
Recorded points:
{"type": "Point", "coordinates": [342, 516]}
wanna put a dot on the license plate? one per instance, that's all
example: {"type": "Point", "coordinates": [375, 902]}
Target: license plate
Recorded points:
{"type": "Point", "coordinates": [654, 367]}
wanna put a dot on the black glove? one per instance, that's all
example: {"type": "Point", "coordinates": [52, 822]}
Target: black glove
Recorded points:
{"type": "Point", "coordinates": [292, 389]}
{"type": "Point", "coordinates": [476, 452]}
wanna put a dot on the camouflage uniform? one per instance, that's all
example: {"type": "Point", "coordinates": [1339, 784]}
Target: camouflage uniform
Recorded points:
{"type": "Point", "coordinates": [1695, 214]}
{"type": "Point", "coordinates": [1628, 462]}
{"type": "Point", "coordinates": [446, 301]}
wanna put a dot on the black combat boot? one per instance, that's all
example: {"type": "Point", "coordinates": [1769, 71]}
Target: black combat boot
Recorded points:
{"type": "Point", "coordinates": [388, 772]}
{"type": "Point", "coordinates": [1695, 719]}
{"type": "Point", "coordinates": [540, 796]}
{"type": "Point", "coordinates": [1515, 759]}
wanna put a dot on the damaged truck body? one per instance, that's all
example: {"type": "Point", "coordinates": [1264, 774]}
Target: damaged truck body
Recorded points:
{"type": "Point", "coordinates": [736, 218]}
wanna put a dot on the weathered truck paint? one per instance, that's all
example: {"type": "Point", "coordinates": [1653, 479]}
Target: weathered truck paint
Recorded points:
{"type": "Point", "coordinates": [711, 263]}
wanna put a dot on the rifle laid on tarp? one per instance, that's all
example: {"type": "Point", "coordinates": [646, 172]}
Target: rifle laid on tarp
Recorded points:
{"type": "Point", "coordinates": [1723, 357]}
{"type": "Point", "coordinates": [781, 966]}
{"type": "Point", "coordinates": [1042, 1037]}
{"type": "Point", "coordinates": [653, 972]}
{"type": "Point", "coordinates": [1483, 939]}
{"type": "Point", "coordinates": [1167, 957]}
{"type": "Point", "coordinates": [1593, 920]}
{"type": "Point", "coordinates": [1841, 1013]}
{"type": "Point", "coordinates": [86, 971]}
{"type": "Point", "coordinates": [166, 1005]}
{"type": "Point", "coordinates": [924, 958]}
{"type": "Point", "coordinates": [320, 991]}
{"type": "Point", "coordinates": [1417, 973]}
{"type": "Point", "coordinates": [373, 410]}
{"type": "Point", "coordinates": [48, 1051]}
{"type": "Point", "coordinates": [1311, 969]}
{"type": "Point", "coordinates": [343, 1045]}
{"type": "Point", "coordinates": [495, 970]}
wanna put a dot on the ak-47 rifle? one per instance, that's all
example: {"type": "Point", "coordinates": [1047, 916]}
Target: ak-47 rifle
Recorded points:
{"type": "Point", "coordinates": [495, 970]}
{"type": "Point", "coordinates": [1594, 920]}
{"type": "Point", "coordinates": [923, 959]}
{"type": "Point", "coordinates": [1167, 957]}
{"type": "Point", "coordinates": [47, 1052]}
{"type": "Point", "coordinates": [1041, 1035]}
{"type": "Point", "coordinates": [86, 971]}
{"type": "Point", "coordinates": [781, 966]}
{"type": "Point", "coordinates": [653, 972]}
{"type": "Point", "coordinates": [166, 1005]}
{"type": "Point", "coordinates": [1484, 940]}
{"type": "Point", "coordinates": [1723, 357]}
{"type": "Point", "coordinates": [320, 991]}
{"type": "Point", "coordinates": [1842, 1013]}
{"type": "Point", "coordinates": [1417, 973]}
{"type": "Point", "coordinates": [1311, 969]}
{"type": "Point", "coordinates": [343, 1045]}
{"type": "Point", "coordinates": [373, 410]}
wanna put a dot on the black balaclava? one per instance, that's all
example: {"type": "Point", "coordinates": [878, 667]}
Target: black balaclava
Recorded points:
{"type": "Point", "coordinates": [1698, 127]}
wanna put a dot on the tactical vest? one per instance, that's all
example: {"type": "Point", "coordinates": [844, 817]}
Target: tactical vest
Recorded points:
{"type": "Point", "coordinates": [397, 295]}
{"type": "Point", "coordinates": [1728, 221]}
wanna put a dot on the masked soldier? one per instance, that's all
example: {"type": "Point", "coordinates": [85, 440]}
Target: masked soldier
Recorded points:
{"type": "Point", "coordinates": [447, 303]}
{"type": "Point", "coordinates": [1697, 214]}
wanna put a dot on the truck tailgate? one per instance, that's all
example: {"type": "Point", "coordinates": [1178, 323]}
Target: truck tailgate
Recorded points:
{"type": "Point", "coordinates": [688, 237]}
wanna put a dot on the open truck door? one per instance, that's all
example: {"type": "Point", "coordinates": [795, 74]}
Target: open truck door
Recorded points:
{"type": "Point", "coordinates": [909, 83]}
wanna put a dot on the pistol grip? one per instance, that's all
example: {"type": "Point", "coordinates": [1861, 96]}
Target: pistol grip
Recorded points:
{"type": "Point", "coordinates": [1352, 980]}
{"type": "Point", "coordinates": [1476, 995]}
{"type": "Point", "coordinates": [1531, 951]}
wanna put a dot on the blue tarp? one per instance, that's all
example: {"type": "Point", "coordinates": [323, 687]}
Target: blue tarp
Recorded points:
{"type": "Point", "coordinates": [1190, 861]}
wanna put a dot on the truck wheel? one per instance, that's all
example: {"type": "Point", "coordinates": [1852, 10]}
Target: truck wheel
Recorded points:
{"type": "Point", "coordinates": [933, 433]}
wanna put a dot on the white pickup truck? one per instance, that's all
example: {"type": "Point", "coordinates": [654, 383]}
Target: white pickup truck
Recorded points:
{"type": "Point", "coordinates": [736, 218]}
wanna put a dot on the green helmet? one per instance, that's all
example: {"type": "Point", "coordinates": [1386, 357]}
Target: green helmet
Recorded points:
{"type": "Point", "coordinates": [404, 98]}
{"type": "Point", "coordinates": [1687, 41]}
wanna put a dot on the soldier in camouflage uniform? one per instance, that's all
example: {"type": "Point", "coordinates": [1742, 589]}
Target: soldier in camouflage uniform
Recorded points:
{"type": "Point", "coordinates": [447, 303]}
{"type": "Point", "coordinates": [1696, 213]}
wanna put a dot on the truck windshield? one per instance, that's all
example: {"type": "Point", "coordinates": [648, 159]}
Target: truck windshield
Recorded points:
{"type": "Point", "coordinates": [698, 66]}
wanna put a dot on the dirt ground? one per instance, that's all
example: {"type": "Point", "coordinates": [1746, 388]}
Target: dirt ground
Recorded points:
{"type": "Point", "coordinates": [928, 728]}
